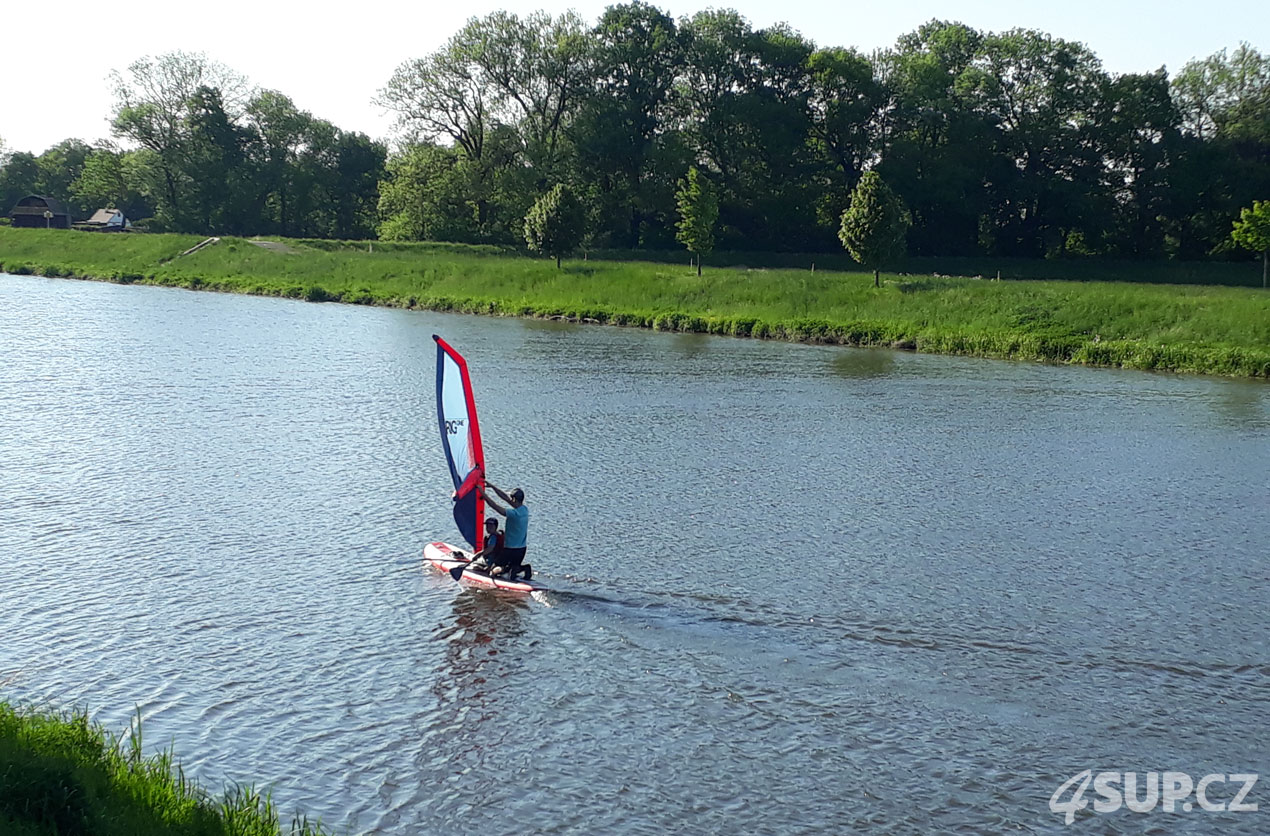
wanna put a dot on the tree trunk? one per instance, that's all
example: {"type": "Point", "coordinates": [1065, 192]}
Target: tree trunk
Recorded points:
{"type": "Point", "coordinates": [557, 262]}
{"type": "Point", "coordinates": [876, 281]}
{"type": "Point", "coordinates": [171, 188]}
{"type": "Point", "coordinates": [698, 265]}
{"type": "Point", "coordinates": [1265, 257]}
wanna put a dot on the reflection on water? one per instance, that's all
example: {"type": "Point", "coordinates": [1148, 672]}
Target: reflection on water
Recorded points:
{"type": "Point", "coordinates": [1243, 406]}
{"type": "Point", "coordinates": [689, 347]}
{"type": "Point", "coordinates": [482, 644]}
{"type": "Point", "coordinates": [798, 589]}
{"type": "Point", "coordinates": [486, 626]}
{"type": "Point", "coordinates": [863, 362]}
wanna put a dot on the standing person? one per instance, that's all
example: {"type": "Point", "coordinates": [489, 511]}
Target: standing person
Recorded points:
{"type": "Point", "coordinates": [491, 553]}
{"type": "Point", "coordinates": [516, 534]}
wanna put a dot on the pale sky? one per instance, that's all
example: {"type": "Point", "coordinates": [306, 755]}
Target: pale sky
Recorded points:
{"type": "Point", "coordinates": [332, 58]}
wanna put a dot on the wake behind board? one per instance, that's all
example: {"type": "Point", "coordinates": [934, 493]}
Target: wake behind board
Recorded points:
{"type": "Point", "coordinates": [446, 557]}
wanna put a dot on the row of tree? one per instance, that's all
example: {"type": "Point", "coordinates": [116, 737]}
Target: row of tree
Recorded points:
{"type": "Point", "coordinates": [1011, 143]}
{"type": "Point", "coordinates": [207, 153]}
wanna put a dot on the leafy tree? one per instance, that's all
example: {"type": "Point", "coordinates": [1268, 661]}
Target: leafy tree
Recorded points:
{"type": "Point", "coordinates": [439, 193]}
{"type": "Point", "coordinates": [353, 184]}
{"type": "Point", "coordinates": [1040, 92]}
{"type": "Point", "coordinates": [424, 196]}
{"type": "Point", "coordinates": [337, 183]}
{"type": "Point", "coordinates": [1252, 232]}
{"type": "Point", "coordinates": [219, 163]}
{"type": "Point", "coordinates": [18, 179]}
{"type": "Point", "coordinates": [1137, 128]}
{"type": "Point", "coordinates": [539, 66]}
{"type": "Point", "coordinates": [442, 96]}
{"type": "Point", "coordinates": [1225, 105]}
{"type": "Point", "coordinates": [282, 130]}
{"type": "Point", "coordinates": [154, 107]}
{"type": "Point", "coordinates": [874, 227]}
{"type": "Point", "coordinates": [556, 223]}
{"type": "Point", "coordinates": [61, 164]}
{"type": "Point", "coordinates": [938, 148]}
{"type": "Point", "coordinates": [317, 157]}
{"type": "Point", "coordinates": [742, 102]}
{"type": "Point", "coordinates": [1225, 95]}
{"type": "Point", "coordinates": [844, 100]}
{"type": "Point", "coordinates": [1012, 143]}
{"type": "Point", "coordinates": [619, 134]}
{"type": "Point", "coordinates": [498, 70]}
{"type": "Point", "coordinates": [114, 179]}
{"type": "Point", "coordinates": [698, 213]}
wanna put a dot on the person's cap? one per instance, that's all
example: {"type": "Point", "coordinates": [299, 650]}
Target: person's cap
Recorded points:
{"type": "Point", "coordinates": [518, 495]}
{"type": "Point", "coordinates": [491, 521]}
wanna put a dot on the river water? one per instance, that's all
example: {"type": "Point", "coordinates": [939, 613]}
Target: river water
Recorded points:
{"type": "Point", "coordinates": [795, 589]}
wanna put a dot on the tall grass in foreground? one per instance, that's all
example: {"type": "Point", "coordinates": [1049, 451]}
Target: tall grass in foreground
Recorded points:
{"type": "Point", "coordinates": [1187, 328]}
{"type": "Point", "coordinates": [62, 775]}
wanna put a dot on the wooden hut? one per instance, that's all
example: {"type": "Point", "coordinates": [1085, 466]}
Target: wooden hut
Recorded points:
{"type": "Point", "coordinates": [43, 212]}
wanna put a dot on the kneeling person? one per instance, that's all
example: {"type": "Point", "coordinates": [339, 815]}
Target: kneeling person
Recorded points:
{"type": "Point", "coordinates": [516, 536]}
{"type": "Point", "coordinates": [491, 553]}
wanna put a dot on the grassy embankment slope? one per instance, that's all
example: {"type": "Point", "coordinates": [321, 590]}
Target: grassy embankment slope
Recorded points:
{"type": "Point", "coordinates": [1188, 328]}
{"type": "Point", "coordinates": [60, 774]}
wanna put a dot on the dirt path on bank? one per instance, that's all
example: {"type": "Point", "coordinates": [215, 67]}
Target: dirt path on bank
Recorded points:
{"type": "Point", "coordinates": [274, 246]}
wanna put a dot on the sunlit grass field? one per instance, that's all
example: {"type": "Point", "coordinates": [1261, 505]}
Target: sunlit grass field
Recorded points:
{"type": "Point", "coordinates": [1187, 328]}
{"type": "Point", "coordinates": [61, 774]}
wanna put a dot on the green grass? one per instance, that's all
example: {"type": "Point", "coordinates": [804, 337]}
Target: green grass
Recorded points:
{"type": "Point", "coordinates": [1245, 273]}
{"type": "Point", "coordinates": [1186, 328]}
{"type": "Point", "coordinates": [62, 775]}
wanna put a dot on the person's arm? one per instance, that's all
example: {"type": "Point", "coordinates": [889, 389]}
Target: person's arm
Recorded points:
{"type": "Point", "coordinates": [500, 492]}
{"type": "Point", "coordinates": [498, 509]}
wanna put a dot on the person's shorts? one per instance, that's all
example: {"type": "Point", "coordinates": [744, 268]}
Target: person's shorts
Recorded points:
{"type": "Point", "coordinates": [511, 559]}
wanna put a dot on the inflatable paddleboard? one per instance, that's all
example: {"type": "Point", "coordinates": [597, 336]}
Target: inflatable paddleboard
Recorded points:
{"type": "Point", "coordinates": [446, 558]}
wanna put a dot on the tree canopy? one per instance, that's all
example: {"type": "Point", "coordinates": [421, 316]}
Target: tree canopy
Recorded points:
{"type": "Point", "coordinates": [698, 213]}
{"type": "Point", "coordinates": [875, 224]}
{"type": "Point", "coordinates": [1252, 232]}
{"type": "Point", "coordinates": [555, 223]}
{"type": "Point", "coordinates": [1011, 143]}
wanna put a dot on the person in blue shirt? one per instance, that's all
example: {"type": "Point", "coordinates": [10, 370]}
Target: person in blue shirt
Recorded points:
{"type": "Point", "coordinates": [515, 533]}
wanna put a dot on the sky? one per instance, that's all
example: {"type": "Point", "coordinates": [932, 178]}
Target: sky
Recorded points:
{"type": "Point", "coordinates": [332, 58]}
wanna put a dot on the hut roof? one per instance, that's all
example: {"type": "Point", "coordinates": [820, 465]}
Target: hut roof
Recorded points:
{"type": "Point", "coordinates": [34, 204]}
{"type": "Point", "coordinates": [103, 216]}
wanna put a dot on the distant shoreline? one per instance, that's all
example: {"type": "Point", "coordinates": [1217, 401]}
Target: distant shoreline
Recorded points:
{"type": "Point", "coordinates": [1177, 328]}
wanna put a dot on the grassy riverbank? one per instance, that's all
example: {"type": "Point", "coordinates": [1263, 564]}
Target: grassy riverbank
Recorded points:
{"type": "Point", "coordinates": [61, 774]}
{"type": "Point", "coordinates": [1188, 328]}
